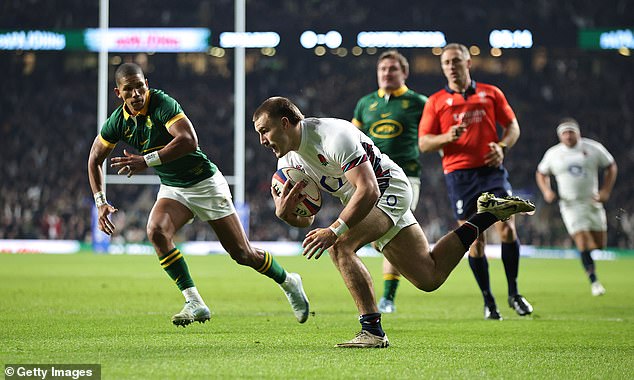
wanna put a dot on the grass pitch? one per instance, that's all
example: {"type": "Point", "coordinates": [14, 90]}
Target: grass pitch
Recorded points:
{"type": "Point", "coordinates": [115, 311]}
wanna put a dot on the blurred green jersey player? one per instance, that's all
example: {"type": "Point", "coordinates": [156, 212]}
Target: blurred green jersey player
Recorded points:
{"type": "Point", "coordinates": [390, 117]}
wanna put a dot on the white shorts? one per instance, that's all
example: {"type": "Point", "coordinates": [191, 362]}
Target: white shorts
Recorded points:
{"type": "Point", "coordinates": [415, 182]}
{"type": "Point", "coordinates": [396, 203]}
{"type": "Point", "coordinates": [583, 216]}
{"type": "Point", "coordinates": [209, 199]}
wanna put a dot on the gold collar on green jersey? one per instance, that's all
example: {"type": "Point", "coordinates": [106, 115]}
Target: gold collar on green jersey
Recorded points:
{"type": "Point", "coordinates": [143, 111]}
{"type": "Point", "coordinates": [398, 92]}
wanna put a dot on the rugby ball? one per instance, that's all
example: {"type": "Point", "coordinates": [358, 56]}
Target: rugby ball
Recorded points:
{"type": "Point", "coordinates": [312, 203]}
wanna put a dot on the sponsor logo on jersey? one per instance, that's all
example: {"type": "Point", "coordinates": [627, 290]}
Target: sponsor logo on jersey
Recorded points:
{"type": "Point", "coordinates": [386, 129]}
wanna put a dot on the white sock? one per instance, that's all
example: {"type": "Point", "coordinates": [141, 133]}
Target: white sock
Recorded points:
{"type": "Point", "coordinates": [191, 294]}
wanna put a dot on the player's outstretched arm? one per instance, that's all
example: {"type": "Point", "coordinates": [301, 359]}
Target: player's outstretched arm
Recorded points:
{"type": "Point", "coordinates": [543, 182]}
{"type": "Point", "coordinates": [98, 154]}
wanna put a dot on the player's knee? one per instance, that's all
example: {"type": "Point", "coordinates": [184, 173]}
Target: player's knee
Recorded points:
{"type": "Point", "coordinates": [429, 283]}
{"type": "Point", "coordinates": [156, 233]}
{"type": "Point", "coordinates": [339, 249]}
{"type": "Point", "coordinates": [477, 248]}
{"type": "Point", "coordinates": [507, 232]}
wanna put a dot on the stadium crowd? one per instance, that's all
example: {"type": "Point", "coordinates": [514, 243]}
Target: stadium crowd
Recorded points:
{"type": "Point", "coordinates": [49, 114]}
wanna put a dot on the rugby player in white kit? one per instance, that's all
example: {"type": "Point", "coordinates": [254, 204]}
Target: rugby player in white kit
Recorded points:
{"type": "Point", "coordinates": [376, 197]}
{"type": "Point", "coordinates": [575, 163]}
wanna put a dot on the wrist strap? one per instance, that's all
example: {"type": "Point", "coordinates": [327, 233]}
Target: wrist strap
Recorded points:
{"type": "Point", "coordinates": [100, 199]}
{"type": "Point", "coordinates": [339, 227]}
{"type": "Point", "coordinates": [152, 159]}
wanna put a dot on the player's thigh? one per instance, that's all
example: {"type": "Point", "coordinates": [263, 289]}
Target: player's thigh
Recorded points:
{"type": "Point", "coordinates": [168, 216]}
{"type": "Point", "coordinates": [589, 240]}
{"type": "Point", "coordinates": [409, 253]}
{"type": "Point", "coordinates": [583, 240]}
{"type": "Point", "coordinates": [371, 228]}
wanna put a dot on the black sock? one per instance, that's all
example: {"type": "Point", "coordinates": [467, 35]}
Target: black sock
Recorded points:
{"type": "Point", "coordinates": [480, 268]}
{"type": "Point", "coordinates": [588, 264]}
{"type": "Point", "coordinates": [372, 323]}
{"type": "Point", "coordinates": [511, 261]}
{"type": "Point", "coordinates": [469, 231]}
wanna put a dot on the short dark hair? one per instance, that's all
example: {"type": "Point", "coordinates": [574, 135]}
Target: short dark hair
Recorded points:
{"type": "Point", "coordinates": [393, 54]}
{"type": "Point", "coordinates": [126, 70]}
{"type": "Point", "coordinates": [279, 107]}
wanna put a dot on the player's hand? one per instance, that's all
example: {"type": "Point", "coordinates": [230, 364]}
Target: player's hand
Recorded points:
{"type": "Point", "coordinates": [317, 241]}
{"type": "Point", "coordinates": [550, 196]}
{"type": "Point", "coordinates": [455, 131]}
{"type": "Point", "coordinates": [104, 223]}
{"type": "Point", "coordinates": [128, 164]}
{"type": "Point", "coordinates": [495, 156]}
{"type": "Point", "coordinates": [287, 201]}
{"type": "Point", "coordinates": [602, 196]}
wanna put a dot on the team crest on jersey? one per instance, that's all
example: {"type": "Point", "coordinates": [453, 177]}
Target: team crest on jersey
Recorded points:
{"type": "Point", "coordinates": [373, 106]}
{"type": "Point", "coordinates": [449, 101]}
{"type": "Point", "coordinates": [322, 159]}
{"type": "Point", "coordinates": [405, 104]}
{"type": "Point", "coordinates": [148, 123]}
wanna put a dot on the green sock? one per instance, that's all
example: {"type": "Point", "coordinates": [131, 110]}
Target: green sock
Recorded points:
{"type": "Point", "coordinates": [176, 267]}
{"type": "Point", "coordinates": [272, 269]}
{"type": "Point", "coordinates": [389, 288]}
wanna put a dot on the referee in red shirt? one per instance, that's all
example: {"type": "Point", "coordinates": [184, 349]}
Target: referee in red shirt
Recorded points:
{"type": "Point", "coordinates": [461, 122]}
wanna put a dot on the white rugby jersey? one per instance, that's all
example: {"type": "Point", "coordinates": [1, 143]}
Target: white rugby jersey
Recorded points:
{"type": "Point", "coordinates": [576, 169]}
{"type": "Point", "coordinates": [330, 147]}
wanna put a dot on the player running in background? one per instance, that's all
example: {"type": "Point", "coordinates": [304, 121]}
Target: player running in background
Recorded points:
{"type": "Point", "coordinates": [376, 196]}
{"type": "Point", "coordinates": [575, 163]}
{"type": "Point", "coordinates": [390, 118]}
{"type": "Point", "coordinates": [191, 186]}
{"type": "Point", "coordinates": [461, 121]}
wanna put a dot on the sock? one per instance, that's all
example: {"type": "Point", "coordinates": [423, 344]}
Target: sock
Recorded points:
{"type": "Point", "coordinates": [588, 264]}
{"type": "Point", "coordinates": [471, 229]}
{"type": "Point", "coordinates": [372, 323]}
{"type": "Point", "coordinates": [480, 268]}
{"type": "Point", "coordinates": [511, 261]}
{"type": "Point", "coordinates": [272, 269]}
{"type": "Point", "coordinates": [174, 264]}
{"type": "Point", "coordinates": [389, 286]}
{"type": "Point", "coordinates": [191, 294]}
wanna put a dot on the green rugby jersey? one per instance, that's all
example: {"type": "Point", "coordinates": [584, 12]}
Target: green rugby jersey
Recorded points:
{"type": "Point", "coordinates": [392, 123]}
{"type": "Point", "coordinates": [147, 132]}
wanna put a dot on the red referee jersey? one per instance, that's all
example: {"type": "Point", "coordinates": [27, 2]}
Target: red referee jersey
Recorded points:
{"type": "Point", "coordinates": [484, 107]}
